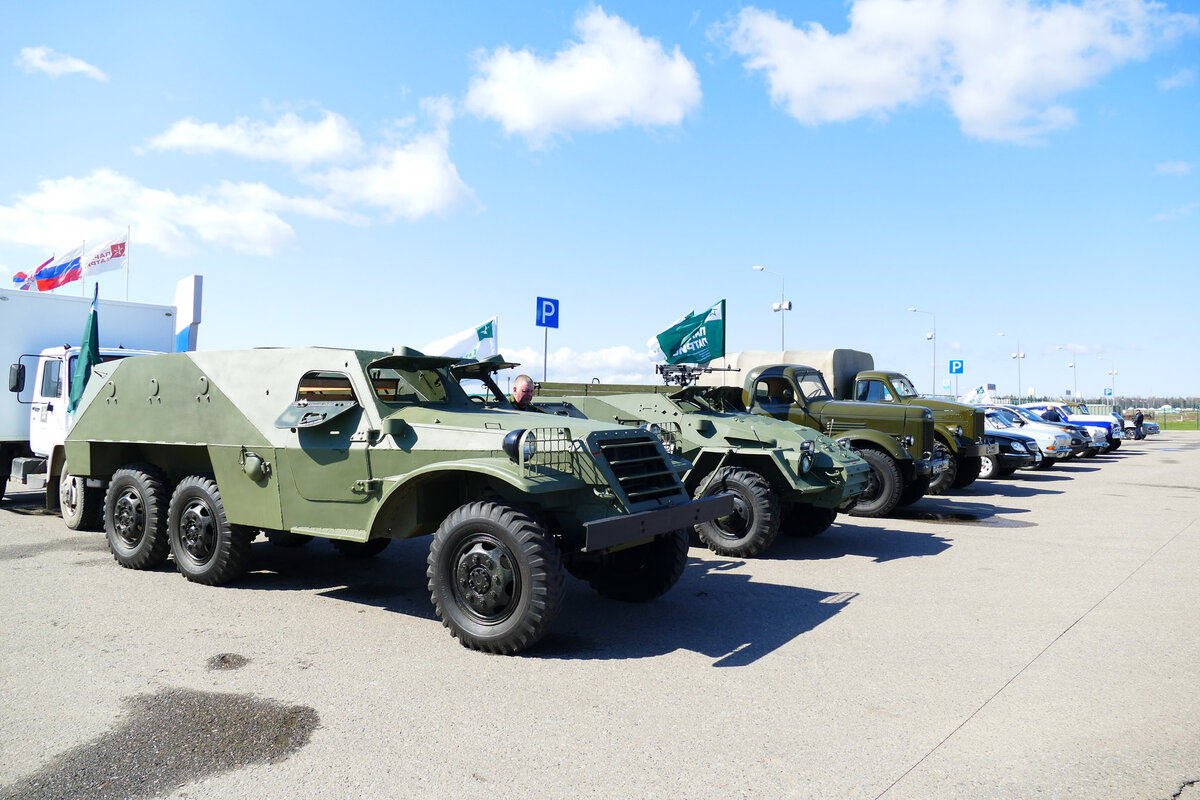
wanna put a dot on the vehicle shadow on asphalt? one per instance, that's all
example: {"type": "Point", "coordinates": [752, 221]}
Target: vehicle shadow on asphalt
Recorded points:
{"type": "Point", "coordinates": [1005, 487]}
{"type": "Point", "coordinates": [394, 580]}
{"type": "Point", "coordinates": [844, 538]}
{"type": "Point", "coordinates": [713, 611]}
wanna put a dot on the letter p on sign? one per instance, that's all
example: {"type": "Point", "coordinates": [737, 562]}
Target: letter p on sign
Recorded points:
{"type": "Point", "coordinates": [547, 312]}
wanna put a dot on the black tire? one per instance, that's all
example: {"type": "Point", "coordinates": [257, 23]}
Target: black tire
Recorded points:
{"type": "Point", "coordinates": [989, 467]}
{"type": "Point", "coordinates": [640, 574]}
{"type": "Point", "coordinates": [1046, 463]}
{"type": "Point", "coordinates": [495, 577]}
{"type": "Point", "coordinates": [1007, 471]}
{"type": "Point", "coordinates": [754, 523]}
{"type": "Point", "coordinates": [135, 517]}
{"type": "Point", "coordinates": [806, 521]}
{"type": "Point", "coordinates": [945, 479]}
{"type": "Point", "coordinates": [1113, 444]}
{"type": "Point", "coordinates": [1090, 452]}
{"type": "Point", "coordinates": [206, 547]}
{"type": "Point", "coordinates": [968, 471]}
{"type": "Point", "coordinates": [913, 491]}
{"type": "Point", "coordinates": [287, 538]}
{"type": "Point", "coordinates": [82, 507]}
{"type": "Point", "coordinates": [367, 549]}
{"type": "Point", "coordinates": [884, 485]}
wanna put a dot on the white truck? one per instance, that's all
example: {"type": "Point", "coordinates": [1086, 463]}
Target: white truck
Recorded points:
{"type": "Point", "coordinates": [39, 339]}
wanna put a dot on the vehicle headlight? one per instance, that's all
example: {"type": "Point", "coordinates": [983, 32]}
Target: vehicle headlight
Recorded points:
{"type": "Point", "coordinates": [1017, 447]}
{"type": "Point", "coordinates": [958, 430]}
{"type": "Point", "coordinates": [806, 457]}
{"type": "Point", "coordinates": [520, 445]}
{"type": "Point", "coordinates": [908, 441]}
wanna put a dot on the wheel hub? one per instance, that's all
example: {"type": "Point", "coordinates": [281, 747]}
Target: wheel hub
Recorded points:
{"type": "Point", "coordinates": [735, 524]}
{"type": "Point", "coordinates": [486, 581]}
{"type": "Point", "coordinates": [196, 530]}
{"type": "Point", "coordinates": [128, 518]}
{"type": "Point", "coordinates": [68, 493]}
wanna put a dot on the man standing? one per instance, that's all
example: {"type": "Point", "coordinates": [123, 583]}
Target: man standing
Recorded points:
{"type": "Point", "coordinates": [522, 392]}
{"type": "Point", "coordinates": [1138, 419]}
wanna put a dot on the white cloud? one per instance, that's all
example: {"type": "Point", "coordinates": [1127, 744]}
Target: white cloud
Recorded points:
{"type": "Point", "coordinates": [43, 59]}
{"type": "Point", "coordinates": [244, 217]}
{"type": "Point", "coordinates": [1177, 168]}
{"type": "Point", "coordinates": [620, 364]}
{"type": "Point", "coordinates": [1000, 65]}
{"type": "Point", "coordinates": [1176, 214]}
{"type": "Point", "coordinates": [289, 139]}
{"type": "Point", "coordinates": [409, 179]}
{"type": "Point", "coordinates": [612, 76]}
{"type": "Point", "coordinates": [1185, 77]}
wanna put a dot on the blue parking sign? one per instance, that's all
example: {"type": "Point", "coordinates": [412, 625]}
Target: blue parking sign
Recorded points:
{"type": "Point", "coordinates": [1108, 392]}
{"type": "Point", "coordinates": [547, 312]}
{"type": "Point", "coordinates": [956, 366]}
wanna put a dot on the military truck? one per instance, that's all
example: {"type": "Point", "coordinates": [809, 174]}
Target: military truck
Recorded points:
{"type": "Point", "coordinates": [897, 442]}
{"type": "Point", "coordinates": [200, 451]}
{"type": "Point", "coordinates": [958, 427]}
{"type": "Point", "coordinates": [783, 477]}
{"type": "Point", "coordinates": [851, 374]}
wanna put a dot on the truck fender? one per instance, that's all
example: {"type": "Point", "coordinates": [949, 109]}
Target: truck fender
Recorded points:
{"type": "Point", "coordinates": [877, 440]}
{"type": "Point", "coordinates": [946, 437]}
{"type": "Point", "coordinates": [442, 487]}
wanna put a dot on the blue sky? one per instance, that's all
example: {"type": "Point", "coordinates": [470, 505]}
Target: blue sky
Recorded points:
{"type": "Point", "coordinates": [375, 175]}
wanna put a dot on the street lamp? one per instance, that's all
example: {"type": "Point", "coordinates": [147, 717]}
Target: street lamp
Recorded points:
{"type": "Point", "coordinates": [1112, 373]}
{"type": "Point", "coordinates": [782, 305]}
{"type": "Point", "coordinates": [933, 338]}
{"type": "Point", "coordinates": [1074, 376]}
{"type": "Point", "coordinates": [1018, 356]}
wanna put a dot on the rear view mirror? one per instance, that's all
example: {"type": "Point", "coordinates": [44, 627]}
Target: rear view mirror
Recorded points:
{"type": "Point", "coordinates": [16, 377]}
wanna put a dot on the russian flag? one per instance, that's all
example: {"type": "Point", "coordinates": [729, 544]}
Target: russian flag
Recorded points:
{"type": "Point", "coordinates": [61, 271]}
{"type": "Point", "coordinates": [24, 281]}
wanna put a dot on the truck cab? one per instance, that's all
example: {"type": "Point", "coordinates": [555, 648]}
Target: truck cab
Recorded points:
{"type": "Point", "coordinates": [958, 427]}
{"type": "Point", "coordinates": [48, 397]}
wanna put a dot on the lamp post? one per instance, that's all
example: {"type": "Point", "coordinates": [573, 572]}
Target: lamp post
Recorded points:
{"type": "Point", "coordinates": [1112, 374]}
{"type": "Point", "coordinates": [933, 338]}
{"type": "Point", "coordinates": [781, 306]}
{"type": "Point", "coordinates": [1018, 356]}
{"type": "Point", "coordinates": [1074, 377]}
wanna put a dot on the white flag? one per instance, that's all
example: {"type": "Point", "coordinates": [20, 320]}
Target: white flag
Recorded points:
{"type": "Point", "coordinates": [113, 255]}
{"type": "Point", "coordinates": [478, 342]}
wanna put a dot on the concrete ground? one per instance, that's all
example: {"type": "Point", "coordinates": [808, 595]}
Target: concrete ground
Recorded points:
{"type": "Point", "coordinates": [1030, 637]}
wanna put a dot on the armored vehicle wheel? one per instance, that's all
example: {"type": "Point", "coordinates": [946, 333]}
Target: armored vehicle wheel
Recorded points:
{"type": "Point", "coordinates": [884, 485]}
{"type": "Point", "coordinates": [135, 517]}
{"type": "Point", "coordinates": [806, 521]}
{"type": "Point", "coordinates": [82, 507]}
{"type": "Point", "coordinates": [645, 572]}
{"type": "Point", "coordinates": [968, 471]}
{"type": "Point", "coordinates": [754, 523]}
{"type": "Point", "coordinates": [495, 577]}
{"type": "Point", "coordinates": [371, 547]}
{"type": "Point", "coordinates": [945, 479]}
{"type": "Point", "coordinates": [287, 538]}
{"type": "Point", "coordinates": [206, 547]}
{"type": "Point", "coordinates": [989, 467]}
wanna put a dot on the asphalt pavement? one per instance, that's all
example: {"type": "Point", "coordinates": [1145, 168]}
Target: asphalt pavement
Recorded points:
{"type": "Point", "coordinates": [1029, 637]}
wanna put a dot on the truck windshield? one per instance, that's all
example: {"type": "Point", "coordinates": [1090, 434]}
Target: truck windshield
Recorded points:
{"type": "Point", "coordinates": [903, 386]}
{"type": "Point", "coordinates": [424, 386]}
{"type": "Point", "coordinates": [813, 387]}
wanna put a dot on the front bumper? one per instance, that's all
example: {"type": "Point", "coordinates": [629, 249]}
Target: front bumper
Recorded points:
{"type": "Point", "coordinates": [978, 449]}
{"type": "Point", "coordinates": [1019, 460]}
{"type": "Point", "coordinates": [933, 465]}
{"type": "Point", "coordinates": [602, 534]}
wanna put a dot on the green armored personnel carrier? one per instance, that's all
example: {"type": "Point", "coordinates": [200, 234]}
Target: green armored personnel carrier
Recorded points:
{"type": "Point", "coordinates": [200, 451]}
{"type": "Point", "coordinates": [783, 477]}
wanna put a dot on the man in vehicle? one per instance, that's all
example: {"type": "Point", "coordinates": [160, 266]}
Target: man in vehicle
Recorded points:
{"type": "Point", "coordinates": [522, 392]}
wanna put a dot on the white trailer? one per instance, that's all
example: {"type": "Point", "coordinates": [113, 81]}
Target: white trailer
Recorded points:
{"type": "Point", "coordinates": [40, 335]}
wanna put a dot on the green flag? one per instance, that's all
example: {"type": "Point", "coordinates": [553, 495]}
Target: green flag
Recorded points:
{"type": "Point", "coordinates": [695, 339]}
{"type": "Point", "coordinates": [89, 355]}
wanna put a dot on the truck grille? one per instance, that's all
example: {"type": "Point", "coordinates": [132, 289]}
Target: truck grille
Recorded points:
{"type": "Point", "coordinates": [928, 438]}
{"type": "Point", "coordinates": [642, 472]}
{"type": "Point", "coordinates": [976, 425]}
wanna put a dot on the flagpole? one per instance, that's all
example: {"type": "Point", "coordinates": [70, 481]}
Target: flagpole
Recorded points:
{"type": "Point", "coordinates": [127, 248]}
